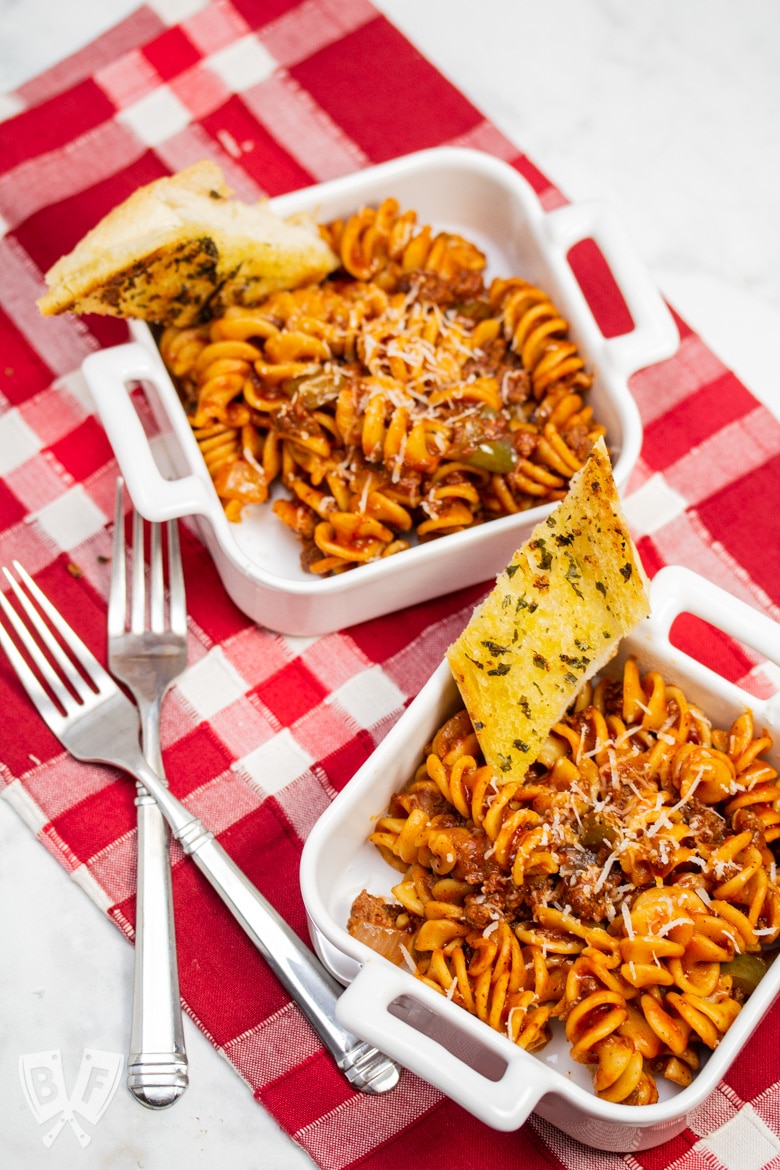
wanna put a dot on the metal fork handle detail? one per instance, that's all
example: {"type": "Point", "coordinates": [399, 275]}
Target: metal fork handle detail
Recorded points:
{"type": "Point", "coordinates": [304, 977]}
{"type": "Point", "coordinates": [157, 1067]}
{"type": "Point", "coordinates": [157, 1071]}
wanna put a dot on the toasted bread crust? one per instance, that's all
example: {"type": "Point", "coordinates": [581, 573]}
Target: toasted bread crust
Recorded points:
{"type": "Point", "coordinates": [168, 286]}
{"type": "Point", "coordinates": [553, 619]}
{"type": "Point", "coordinates": [179, 250]}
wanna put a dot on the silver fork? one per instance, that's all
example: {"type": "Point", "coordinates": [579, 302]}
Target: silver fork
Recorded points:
{"type": "Point", "coordinates": [95, 721]}
{"type": "Point", "coordinates": [147, 655]}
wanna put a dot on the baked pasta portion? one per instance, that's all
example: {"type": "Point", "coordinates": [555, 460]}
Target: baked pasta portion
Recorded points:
{"type": "Point", "coordinates": [401, 398]}
{"type": "Point", "coordinates": [624, 890]}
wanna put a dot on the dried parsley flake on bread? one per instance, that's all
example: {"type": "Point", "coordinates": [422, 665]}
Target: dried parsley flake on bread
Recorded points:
{"type": "Point", "coordinates": [554, 618]}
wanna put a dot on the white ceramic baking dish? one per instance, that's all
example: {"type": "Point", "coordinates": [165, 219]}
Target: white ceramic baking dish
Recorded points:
{"type": "Point", "coordinates": [476, 1066]}
{"type": "Point", "coordinates": [259, 558]}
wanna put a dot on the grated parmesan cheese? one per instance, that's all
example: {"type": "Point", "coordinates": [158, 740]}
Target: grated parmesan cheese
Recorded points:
{"type": "Point", "coordinates": [605, 871]}
{"type": "Point", "coordinates": [408, 960]}
{"type": "Point", "coordinates": [624, 910]}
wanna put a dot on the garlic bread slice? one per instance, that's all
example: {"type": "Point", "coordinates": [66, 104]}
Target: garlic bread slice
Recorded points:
{"type": "Point", "coordinates": [180, 250]}
{"type": "Point", "coordinates": [554, 618]}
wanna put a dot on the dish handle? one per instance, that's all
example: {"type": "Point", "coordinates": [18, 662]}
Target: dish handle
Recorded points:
{"type": "Point", "coordinates": [654, 335]}
{"type": "Point", "coordinates": [110, 375]}
{"type": "Point", "coordinates": [676, 590]}
{"type": "Point", "coordinates": [496, 1081]}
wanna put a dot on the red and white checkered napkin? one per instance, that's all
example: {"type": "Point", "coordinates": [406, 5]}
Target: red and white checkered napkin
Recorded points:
{"type": "Point", "coordinates": [263, 730]}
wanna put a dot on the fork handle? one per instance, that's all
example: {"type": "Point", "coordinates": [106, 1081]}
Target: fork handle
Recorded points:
{"type": "Point", "coordinates": [304, 977]}
{"type": "Point", "coordinates": [157, 1069]}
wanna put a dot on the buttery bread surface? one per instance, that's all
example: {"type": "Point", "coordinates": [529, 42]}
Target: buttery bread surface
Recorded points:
{"type": "Point", "coordinates": [180, 249]}
{"type": "Point", "coordinates": [553, 619]}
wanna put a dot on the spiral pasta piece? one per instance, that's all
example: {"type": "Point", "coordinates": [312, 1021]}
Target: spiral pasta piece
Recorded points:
{"type": "Point", "coordinates": [424, 400]}
{"type": "Point", "coordinates": [540, 335]}
{"type": "Point", "coordinates": [624, 890]}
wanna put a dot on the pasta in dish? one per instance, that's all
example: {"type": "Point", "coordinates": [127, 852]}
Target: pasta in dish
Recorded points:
{"type": "Point", "coordinates": [400, 398]}
{"type": "Point", "coordinates": [625, 888]}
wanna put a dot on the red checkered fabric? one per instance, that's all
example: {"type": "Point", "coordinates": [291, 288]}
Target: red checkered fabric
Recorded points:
{"type": "Point", "coordinates": [264, 730]}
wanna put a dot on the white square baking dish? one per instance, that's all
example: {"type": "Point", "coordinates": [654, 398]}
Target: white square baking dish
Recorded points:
{"type": "Point", "coordinates": [462, 1056]}
{"type": "Point", "coordinates": [258, 559]}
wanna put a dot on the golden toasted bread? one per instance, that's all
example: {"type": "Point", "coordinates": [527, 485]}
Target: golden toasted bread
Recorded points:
{"type": "Point", "coordinates": [180, 250]}
{"type": "Point", "coordinates": [553, 619]}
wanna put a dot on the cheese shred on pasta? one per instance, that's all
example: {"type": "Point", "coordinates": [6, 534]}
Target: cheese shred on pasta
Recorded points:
{"type": "Point", "coordinates": [625, 887]}
{"type": "Point", "coordinates": [399, 398]}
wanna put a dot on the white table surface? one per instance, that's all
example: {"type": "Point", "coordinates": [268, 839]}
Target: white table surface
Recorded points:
{"type": "Point", "coordinates": [669, 111]}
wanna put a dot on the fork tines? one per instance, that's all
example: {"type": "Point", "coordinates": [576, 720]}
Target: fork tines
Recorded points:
{"type": "Point", "coordinates": [45, 667]}
{"type": "Point", "coordinates": [118, 618]}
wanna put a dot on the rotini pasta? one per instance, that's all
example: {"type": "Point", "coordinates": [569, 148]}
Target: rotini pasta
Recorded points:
{"type": "Point", "coordinates": [625, 888]}
{"type": "Point", "coordinates": [400, 399]}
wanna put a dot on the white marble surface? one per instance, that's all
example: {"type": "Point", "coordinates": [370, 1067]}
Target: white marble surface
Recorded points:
{"type": "Point", "coordinates": [670, 111]}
